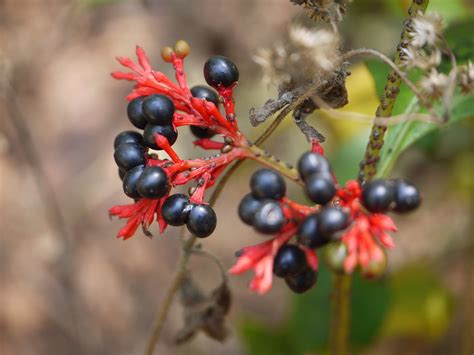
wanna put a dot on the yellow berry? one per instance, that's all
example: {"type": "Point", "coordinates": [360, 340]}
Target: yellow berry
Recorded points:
{"type": "Point", "coordinates": [167, 54]}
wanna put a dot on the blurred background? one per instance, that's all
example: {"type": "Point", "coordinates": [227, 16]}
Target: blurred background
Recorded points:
{"type": "Point", "coordinates": [68, 286]}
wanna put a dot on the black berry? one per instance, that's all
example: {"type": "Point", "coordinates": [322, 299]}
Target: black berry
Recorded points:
{"type": "Point", "coordinates": [220, 71]}
{"type": "Point", "coordinates": [158, 110]}
{"type": "Point", "coordinates": [151, 130]}
{"type": "Point", "coordinates": [202, 132]}
{"type": "Point", "coordinates": [129, 155]}
{"type": "Point", "coordinates": [135, 112]}
{"type": "Point", "coordinates": [290, 260]}
{"type": "Point", "coordinates": [303, 281]}
{"type": "Point", "coordinates": [153, 183]}
{"type": "Point", "coordinates": [332, 220]}
{"type": "Point", "coordinates": [204, 92]}
{"type": "Point", "coordinates": [378, 195]}
{"type": "Point", "coordinates": [309, 235]}
{"type": "Point", "coordinates": [269, 218]}
{"type": "Point", "coordinates": [311, 163]}
{"type": "Point", "coordinates": [247, 208]}
{"type": "Point", "coordinates": [175, 209]}
{"type": "Point", "coordinates": [128, 137]}
{"type": "Point", "coordinates": [266, 183]}
{"type": "Point", "coordinates": [320, 188]}
{"type": "Point", "coordinates": [130, 181]}
{"type": "Point", "coordinates": [121, 173]}
{"type": "Point", "coordinates": [407, 196]}
{"type": "Point", "coordinates": [202, 221]}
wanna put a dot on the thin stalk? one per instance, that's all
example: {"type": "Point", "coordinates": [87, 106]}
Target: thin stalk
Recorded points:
{"type": "Point", "coordinates": [340, 311]}
{"type": "Point", "coordinates": [392, 88]}
{"type": "Point", "coordinates": [402, 75]}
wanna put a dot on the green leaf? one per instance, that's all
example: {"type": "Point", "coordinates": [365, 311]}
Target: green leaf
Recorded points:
{"type": "Point", "coordinates": [370, 304]}
{"type": "Point", "coordinates": [402, 136]}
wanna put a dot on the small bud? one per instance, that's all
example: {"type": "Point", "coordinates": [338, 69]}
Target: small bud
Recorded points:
{"type": "Point", "coordinates": [334, 255]}
{"type": "Point", "coordinates": [167, 54]}
{"type": "Point", "coordinates": [181, 48]}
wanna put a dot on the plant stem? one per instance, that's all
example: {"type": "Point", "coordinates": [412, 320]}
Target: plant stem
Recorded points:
{"type": "Point", "coordinates": [392, 88]}
{"type": "Point", "coordinates": [340, 311]}
{"type": "Point", "coordinates": [165, 306]}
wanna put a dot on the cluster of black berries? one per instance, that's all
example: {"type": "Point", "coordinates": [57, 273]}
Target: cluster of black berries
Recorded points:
{"type": "Point", "coordinates": [262, 209]}
{"type": "Point", "coordinates": [200, 219]}
{"type": "Point", "coordinates": [398, 195]}
{"type": "Point", "coordinates": [138, 180]}
{"type": "Point", "coordinates": [319, 228]}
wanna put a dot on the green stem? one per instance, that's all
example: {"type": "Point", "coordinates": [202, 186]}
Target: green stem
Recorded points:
{"type": "Point", "coordinates": [340, 313]}
{"type": "Point", "coordinates": [387, 102]}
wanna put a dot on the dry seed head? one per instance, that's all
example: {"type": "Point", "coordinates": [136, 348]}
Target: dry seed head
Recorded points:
{"type": "Point", "coordinates": [426, 29]}
{"type": "Point", "coordinates": [435, 84]}
{"type": "Point", "coordinates": [308, 53]}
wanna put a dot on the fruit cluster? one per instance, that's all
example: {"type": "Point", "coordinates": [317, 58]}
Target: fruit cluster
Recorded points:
{"type": "Point", "coordinates": [351, 215]}
{"type": "Point", "coordinates": [158, 107]}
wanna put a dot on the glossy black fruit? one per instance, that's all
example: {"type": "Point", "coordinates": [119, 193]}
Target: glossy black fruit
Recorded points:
{"type": "Point", "coordinates": [153, 183]}
{"type": "Point", "coordinates": [202, 221]}
{"type": "Point", "coordinates": [290, 260]}
{"type": "Point", "coordinates": [130, 181]}
{"type": "Point", "coordinates": [247, 208]}
{"type": "Point", "coordinates": [204, 92]}
{"type": "Point", "coordinates": [407, 196]}
{"type": "Point", "coordinates": [202, 132]}
{"type": "Point", "coordinates": [128, 137]}
{"type": "Point", "coordinates": [311, 163]}
{"type": "Point", "coordinates": [151, 130]}
{"type": "Point", "coordinates": [269, 218]}
{"type": "Point", "coordinates": [320, 188]}
{"type": "Point", "coordinates": [220, 71]}
{"type": "Point", "coordinates": [175, 209]}
{"type": "Point", "coordinates": [129, 155]}
{"type": "Point", "coordinates": [332, 220]}
{"type": "Point", "coordinates": [121, 173]}
{"type": "Point", "coordinates": [378, 195]}
{"type": "Point", "coordinates": [266, 183]}
{"type": "Point", "coordinates": [309, 235]}
{"type": "Point", "coordinates": [302, 282]}
{"type": "Point", "coordinates": [135, 112]}
{"type": "Point", "coordinates": [158, 110]}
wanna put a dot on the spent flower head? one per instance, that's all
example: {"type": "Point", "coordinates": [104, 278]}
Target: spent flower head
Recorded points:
{"type": "Point", "coordinates": [426, 29]}
{"type": "Point", "coordinates": [308, 53]}
{"type": "Point", "coordinates": [435, 84]}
